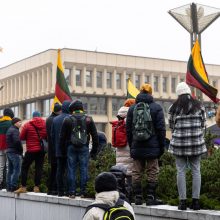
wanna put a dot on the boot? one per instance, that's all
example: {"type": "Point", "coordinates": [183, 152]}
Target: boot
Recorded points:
{"type": "Point", "coordinates": [36, 189]}
{"type": "Point", "coordinates": [151, 195]}
{"type": "Point", "coordinates": [22, 189]}
{"type": "Point", "coordinates": [138, 199]}
{"type": "Point", "coordinates": [182, 204]}
{"type": "Point", "coordinates": [195, 204]}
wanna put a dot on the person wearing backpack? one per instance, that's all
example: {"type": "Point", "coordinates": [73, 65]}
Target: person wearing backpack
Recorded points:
{"type": "Point", "coordinates": [107, 199]}
{"type": "Point", "coordinates": [146, 133]}
{"type": "Point", "coordinates": [187, 122]}
{"type": "Point", "coordinates": [74, 142]}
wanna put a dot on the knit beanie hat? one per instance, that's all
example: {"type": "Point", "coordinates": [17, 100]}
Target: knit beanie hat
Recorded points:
{"type": "Point", "coordinates": [15, 120]}
{"type": "Point", "coordinates": [57, 107]}
{"type": "Point", "coordinates": [8, 112]}
{"type": "Point", "coordinates": [182, 88]}
{"type": "Point", "coordinates": [129, 102]}
{"type": "Point", "coordinates": [76, 105]}
{"type": "Point", "coordinates": [122, 112]}
{"type": "Point", "coordinates": [105, 181]}
{"type": "Point", "coordinates": [146, 88]}
{"type": "Point", "coordinates": [36, 114]}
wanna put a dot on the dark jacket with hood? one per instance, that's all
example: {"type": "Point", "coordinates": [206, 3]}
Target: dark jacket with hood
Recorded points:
{"type": "Point", "coordinates": [51, 147]}
{"type": "Point", "coordinates": [154, 146]}
{"type": "Point", "coordinates": [29, 134]}
{"type": "Point", "coordinates": [13, 141]}
{"type": "Point", "coordinates": [56, 127]}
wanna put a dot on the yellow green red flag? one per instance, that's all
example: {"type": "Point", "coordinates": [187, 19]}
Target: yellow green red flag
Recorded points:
{"type": "Point", "coordinates": [132, 91]}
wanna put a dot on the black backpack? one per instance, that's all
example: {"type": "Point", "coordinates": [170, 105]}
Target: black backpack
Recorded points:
{"type": "Point", "coordinates": [143, 127]}
{"type": "Point", "coordinates": [79, 130]}
{"type": "Point", "coordinates": [118, 211]}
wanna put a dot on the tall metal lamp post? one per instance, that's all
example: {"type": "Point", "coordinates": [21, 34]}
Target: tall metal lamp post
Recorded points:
{"type": "Point", "coordinates": [195, 18]}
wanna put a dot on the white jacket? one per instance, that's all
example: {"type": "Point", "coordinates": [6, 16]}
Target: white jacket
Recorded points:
{"type": "Point", "coordinates": [109, 198]}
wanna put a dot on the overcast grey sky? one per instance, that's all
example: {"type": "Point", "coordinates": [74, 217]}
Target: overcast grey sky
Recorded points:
{"type": "Point", "coordinates": [133, 27]}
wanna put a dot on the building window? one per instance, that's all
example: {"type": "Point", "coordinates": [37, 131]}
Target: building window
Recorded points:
{"type": "Point", "coordinates": [109, 80]}
{"type": "Point", "coordinates": [164, 84]}
{"type": "Point", "coordinates": [78, 77]}
{"type": "Point", "coordinates": [214, 83]}
{"type": "Point", "coordinates": [15, 110]}
{"type": "Point", "coordinates": [118, 80]}
{"type": "Point", "coordinates": [146, 79]}
{"type": "Point", "coordinates": [67, 76]}
{"type": "Point", "coordinates": [117, 103]}
{"type": "Point", "coordinates": [1, 112]}
{"type": "Point", "coordinates": [138, 81]}
{"type": "Point", "coordinates": [88, 78]}
{"type": "Point", "coordinates": [156, 83]}
{"type": "Point", "coordinates": [30, 108]}
{"type": "Point", "coordinates": [99, 79]}
{"type": "Point", "coordinates": [128, 76]}
{"type": "Point", "coordinates": [173, 85]}
{"type": "Point", "coordinates": [47, 104]}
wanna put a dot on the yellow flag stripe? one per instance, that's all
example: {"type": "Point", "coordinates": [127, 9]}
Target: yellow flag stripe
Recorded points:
{"type": "Point", "coordinates": [59, 62]}
{"type": "Point", "coordinates": [132, 90]}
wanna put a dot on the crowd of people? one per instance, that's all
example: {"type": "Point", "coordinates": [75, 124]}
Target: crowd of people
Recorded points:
{"type": "Point", "coordinates": [69, 130]}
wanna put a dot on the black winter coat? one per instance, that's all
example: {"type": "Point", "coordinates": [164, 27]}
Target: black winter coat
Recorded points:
{"type": "Point", "coordinates": [13, 141]}
{"type": "Point", "coordinates": [154, 147]}
{"type": "Point", "coordinates": [51, 146]}
{"type": "Point", "coordinates": [67, 127]}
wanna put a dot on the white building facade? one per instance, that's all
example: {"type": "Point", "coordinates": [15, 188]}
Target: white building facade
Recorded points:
{"type": "Point", "coordinates": [98, 79]}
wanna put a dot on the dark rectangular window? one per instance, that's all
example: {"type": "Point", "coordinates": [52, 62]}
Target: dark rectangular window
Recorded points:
{"type": "Point", "coordinates": [78, 77]}
{"type": "Point", "coordinates": [67, 76]}
{"type": "Point", "coordinates": [156, 83]}
{"type": "Point", "coordinates": [147, 79]}
{"type": "Point", "coordinates": [109, 80]}
{"type": "Point", "coordinates": [118, 80]}
{"type": "Point", "coordinates": [99, 79]}
{"type": "Point", "coordinates": [89, 78]}
{"type": "Point", "coordinates": [173, 85]}
{"type": "Point", "coordinates": [164, 84]}
{"type": "Point", "coordinates": [137, 81]}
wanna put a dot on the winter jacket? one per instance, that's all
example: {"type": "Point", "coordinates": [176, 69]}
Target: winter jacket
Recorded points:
{"type": "Point", "coordinates": [29, 134]}
{"type": "Point", "coordinates": [187, 134]}
{"type": "Point", "coordinates": [13, 141]}
{"type": "Point", "coordinates": [65, 134]}
{"type": "Point", "coordinates": [51, 147]}
{"type": "Point", "coordinates": [56, 128]}
{"type": "Point", "coordinates": [154, 146]}
{"type": "Point", "coordinates": [5, 124]}
{"type": "Point", "coordinates": [109, 198]}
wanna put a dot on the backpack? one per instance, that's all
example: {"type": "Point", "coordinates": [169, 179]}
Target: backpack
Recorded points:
{"type": "Point", "coordinates": [79, 130]}
{"type": "Point", "coordinates": [118, 211]}
{"type": "Point", "coordinates": [119, 137]}
{"type": "Point", "coordinates": [143, 127]}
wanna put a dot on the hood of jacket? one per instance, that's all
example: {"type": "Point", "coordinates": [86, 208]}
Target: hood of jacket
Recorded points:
{"type": "Point", "coordinates": [144, 97]}
{"type": "Point", "coordinates": [65, 107]}
{"type": "Point", "coordinates": [38, 122]}
{"type": "Point", "coordinates": [110, 197]}
{"type": "Point", "coordinates": [5, 118]}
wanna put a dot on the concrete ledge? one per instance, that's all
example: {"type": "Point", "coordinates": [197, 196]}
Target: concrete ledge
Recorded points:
{"type": "Point", "coordinates": [39, 206]}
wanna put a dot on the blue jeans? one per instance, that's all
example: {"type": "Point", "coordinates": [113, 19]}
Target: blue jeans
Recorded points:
{"type": "Point", "coordinates": [182, 163]}
{"type": "Point", "coordinates": [75, 157]}
{"type": "Point", "coordinates": [14, 170]}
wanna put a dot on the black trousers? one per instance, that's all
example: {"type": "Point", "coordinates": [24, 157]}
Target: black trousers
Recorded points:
{"type": "Point", "coordinates": [29, 158]}
{"type": "Point", "coordinates": [52, 182]}
{"type": "Point", "coordinates": [61, 174]}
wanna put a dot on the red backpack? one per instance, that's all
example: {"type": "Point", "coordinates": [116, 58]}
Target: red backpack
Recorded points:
{"type": "Point", "coordinates": [119, 137]}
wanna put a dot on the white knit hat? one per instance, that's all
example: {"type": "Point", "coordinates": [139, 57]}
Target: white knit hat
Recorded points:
{"type": "Point", "coordinates": [122, 112]}
{"type": "Point", "coordinates": [182, 88]}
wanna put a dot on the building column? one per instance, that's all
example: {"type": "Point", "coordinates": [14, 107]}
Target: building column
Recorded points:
{"type": "Point", "coordinates": [54, 74]}
{"type": "Point", "coordinates": [169, 86]}
{"type": "Point", "coordinates": [104, 79]}
{"type": "Point", "coordinates": [109, 116]}
{"type": "Point", "coordinates": [114, 81]}
{"type": "Point", "coordinates": [21, 110]}
{"type": "Point", "coordinates": [124, 82]}
{"type": "Point", "coordinates": [43, 80]}
{"type": "Point", "coordinates": [94, 79]}
{"type": "Point", "coordinates": [73, 78]}
{"type": "Point", "coordinates": [142, 78]}
{"type": "Point", "coordinates": [33, 84]}
{"type": "Point", "coordinates": [11, 91]}
{"type": "Point", "coordinates": [161, 85]}
{"type": "Point", "coordinates": [39, 85]}
{"type": "Point", "coordinates": [152, 81]}
{"type": "Point", "coordinates": [47, 80]}
{"type": "Point", "coordinates": [84, 79]}
{"type": "Point", "coordinates": [133, 78]}
{"type": "Point", "coordinates": [7, 92]}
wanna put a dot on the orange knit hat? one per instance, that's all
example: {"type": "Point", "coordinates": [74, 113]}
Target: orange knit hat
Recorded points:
{"type": "Point", "coordinates": [146, 88]}
{"type": "Point", "coordinates": [129, 102]}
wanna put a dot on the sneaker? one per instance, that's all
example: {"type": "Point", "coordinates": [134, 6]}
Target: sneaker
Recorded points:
{"type": "Point", "coordinates": [22, 189]}
{"type": "Point", "coordinates": [36, 189]}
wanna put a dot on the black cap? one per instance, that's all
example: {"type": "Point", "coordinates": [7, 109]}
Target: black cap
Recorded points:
{"type": "Point", "coordinates": [57, 107]}
{"type": "Point", "coordinates": [105, 181]}
{"type": "Point", "coordinates": [76, 105]}
{"type": "Point", "coordinates": [8, 112]}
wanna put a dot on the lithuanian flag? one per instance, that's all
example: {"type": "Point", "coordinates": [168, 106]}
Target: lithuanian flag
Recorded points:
{"type": "Point", "coordinates": [197, 76]}
{"type": "Point", "coordinates": [62, 91]}
{"type": "Point", "coordinates": [132, 91]}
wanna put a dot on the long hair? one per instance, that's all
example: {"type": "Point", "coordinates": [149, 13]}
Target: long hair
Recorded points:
{"type": "Point", "coordinates": [185, 104]}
